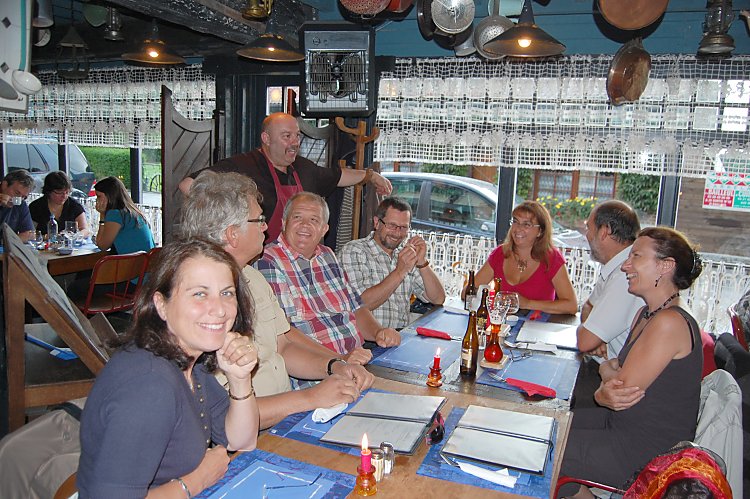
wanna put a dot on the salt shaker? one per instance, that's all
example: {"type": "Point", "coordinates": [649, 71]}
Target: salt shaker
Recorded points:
{"type": "Point", "coordinates": [389, 456]}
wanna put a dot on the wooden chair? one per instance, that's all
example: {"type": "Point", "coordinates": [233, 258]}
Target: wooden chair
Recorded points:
{"type": "Point", "coordinates": [68, 488]}
{"type": "Point", "coordinates": [152, 254]}
{"type": "Point", "coordinates": [117, 271]}
{"type": "Point", "coordinates": [738, 329]}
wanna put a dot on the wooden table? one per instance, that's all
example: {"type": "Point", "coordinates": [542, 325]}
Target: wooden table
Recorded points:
{"type": "Point", "coordinates": [81, 259]}
{"type": "Point", "coordinates": [404, 481]}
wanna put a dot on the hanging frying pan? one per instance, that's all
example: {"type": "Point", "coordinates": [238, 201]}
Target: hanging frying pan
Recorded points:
{"type": "Point", "coordinates": [424, 19]}
{"type": "Point", "coordinates": [632, 14]}
{"type": "Point", "coordinates": [628, 73]}
{"type": "Point", "coordinates": [490, 28]}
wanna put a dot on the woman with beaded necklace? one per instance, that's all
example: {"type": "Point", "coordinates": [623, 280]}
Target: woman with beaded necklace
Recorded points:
{"type": "Point", "coordinates": [649, 395]}
{"type": "Point", "coordinates": [530, 265]}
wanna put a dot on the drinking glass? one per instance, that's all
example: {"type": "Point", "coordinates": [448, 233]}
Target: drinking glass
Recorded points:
{"type": "Point", "coordinates": [498, 313]}
{"type": "Point", "coordinates": [513, 301]}
{"type": "Point", "coordinates": [71, 227]}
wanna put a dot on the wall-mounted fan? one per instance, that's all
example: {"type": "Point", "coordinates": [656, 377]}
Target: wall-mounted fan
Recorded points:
{"type": "Point", "coordinates": [339, 70]}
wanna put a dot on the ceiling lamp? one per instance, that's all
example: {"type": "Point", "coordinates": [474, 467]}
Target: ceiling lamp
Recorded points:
{"type": "Point", "coordinates": [154, 51]}
{"type": "Point", "coordinates": [257, 10]}
{"type": "Point", "coordinates": [525, 39]}
{"type": "Point", "coordinates": [113, 31]}
{"type": "Point", "coordinates": [42, 14]}
{"type": "Point", "coordinates": [272, 48]}
{"type": "Point", "coordinates": [716, 40]}
{"type": "Point", "coordinates": [72, 59]}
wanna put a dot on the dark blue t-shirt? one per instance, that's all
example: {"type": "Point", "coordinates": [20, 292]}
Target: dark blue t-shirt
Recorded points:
{"type": "Point", "coordinates": [17, 217]}
{"type": "Point", "coordinates": [142, 425]}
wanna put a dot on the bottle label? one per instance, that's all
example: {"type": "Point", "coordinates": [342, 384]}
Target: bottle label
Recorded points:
{"type": "Point", "coordinates": [467, 356]}
{"type": "Point", "coordinates": [481, 325]}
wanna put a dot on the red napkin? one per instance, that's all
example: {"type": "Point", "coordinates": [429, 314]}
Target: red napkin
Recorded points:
{"type": "Point", "coordinates": [535, 315]}
{"type": "Point", "coordinates": [423, 331]}
{"type": "Point", "coordinates": [532, 388]}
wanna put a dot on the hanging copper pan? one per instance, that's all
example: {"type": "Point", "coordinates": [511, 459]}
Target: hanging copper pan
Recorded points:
{"type": "Point", "coordinates": [399, 5]}
{"type": "Point", "coordinates": [632, 14]}
{"type": "Point", "coordinates": [628, 73]}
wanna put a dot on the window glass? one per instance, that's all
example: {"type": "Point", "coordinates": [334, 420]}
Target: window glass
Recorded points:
{"type": "Point", "coordinates": [151, 177]}
{"type": "Point", "coordinates": [16, 157]}
{"type": "Point", "coordinates": [408, 190]}
{"type": "Point", "coordinates": [36, 162]}
{"type": "Point", "coordinates": [449, 205]}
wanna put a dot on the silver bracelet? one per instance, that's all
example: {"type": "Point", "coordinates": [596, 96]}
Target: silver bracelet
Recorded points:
{"type": "Point", "coordinates": [184, 487]}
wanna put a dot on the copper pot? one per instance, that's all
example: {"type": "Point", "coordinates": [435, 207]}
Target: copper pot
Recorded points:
{"type": "Point", "coordinates": [399, 5]}
{"type": "Point", "coordinates": [365, 7]}
{"type": "Point", "coordinates": [632, 14]}
{"type": "Point", "coordinates": [628, 73]}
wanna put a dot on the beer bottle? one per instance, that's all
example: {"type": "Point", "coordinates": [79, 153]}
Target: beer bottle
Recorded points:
{"type": "Point", "coordinates": [498, 285]}
{"type": "Point", "coordinates": [483, 317]}
{"type": "Point", "coordinates": [471, 291]}
{"type": "Point", "coordinates": [470, 348]}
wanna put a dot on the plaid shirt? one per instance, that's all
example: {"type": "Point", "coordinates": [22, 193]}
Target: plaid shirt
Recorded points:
{"type": "Point", "coordinates": [366, 265]}
{"type": "Point", "coordinates": [314, 294]}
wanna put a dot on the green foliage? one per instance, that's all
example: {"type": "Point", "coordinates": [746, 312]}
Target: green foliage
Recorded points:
{"type": "Point", "coordinates": [524, 182]}
{"type": "Point", "coordinates": [568, 212]}
{"type": "Point", "coordinates": [460, 170]}
{"type": "Point", "coordinates": [109, 162]}
{"type": "Point", "coordinates": [640, 191]}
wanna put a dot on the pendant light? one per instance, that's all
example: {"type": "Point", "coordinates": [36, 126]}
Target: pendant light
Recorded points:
{"type": "Point", "coordinates": [153, 50]}
{"type": "Point", "coordinates": [72, 58]}
{"type": "Point", "coordinates": [716, 39]}
{"type": "Point", "coordinates": [525, 39]}
{"type": "Point", "coordinates": [271, 46]}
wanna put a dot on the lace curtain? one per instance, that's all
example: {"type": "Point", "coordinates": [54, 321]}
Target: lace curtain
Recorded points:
{"type": "Point", "coordinates": [554, 114]}
{"type": "Point", "coordinates": [114, 107]}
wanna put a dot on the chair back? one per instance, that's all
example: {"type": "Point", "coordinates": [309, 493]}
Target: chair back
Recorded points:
{"type": "Point", "coordinates": [719, 426]}
{"type": "Point", "coordinates": [119, 272]}
{"type": "Point", "coordinates": [152, 254]}
{"type": "Point", "coordinates": [738, 329]}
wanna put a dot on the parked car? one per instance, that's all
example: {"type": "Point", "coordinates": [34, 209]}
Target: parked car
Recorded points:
{"type": "Point", "coordinates": [449, 203]}
{"type": "Point", "coordinates": [40, 159]}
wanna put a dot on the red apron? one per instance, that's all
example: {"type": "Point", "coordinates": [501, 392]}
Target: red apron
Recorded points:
{"type": "Point", "coordinates": [283, 193]}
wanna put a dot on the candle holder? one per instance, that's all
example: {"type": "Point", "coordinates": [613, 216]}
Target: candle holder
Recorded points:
{"type": "Point", "coordinates": [366, 484]}
{"type": "Point", "coordinates": [435, 378]}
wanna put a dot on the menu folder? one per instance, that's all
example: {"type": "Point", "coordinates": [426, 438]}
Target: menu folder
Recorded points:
{"type": "Point", "coordinates": [399, 419]}
{"type": "Point", "coordinates": [503, 438]}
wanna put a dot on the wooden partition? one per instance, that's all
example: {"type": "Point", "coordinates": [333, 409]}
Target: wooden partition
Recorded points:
{"type": "Point", "coordinates": [27, 281]}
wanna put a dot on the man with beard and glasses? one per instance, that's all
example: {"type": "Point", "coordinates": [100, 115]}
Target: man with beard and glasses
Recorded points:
{"type": "Point", "coordinates": [386, 269]}
{"type": "Point", "coordinates": [280, 172]}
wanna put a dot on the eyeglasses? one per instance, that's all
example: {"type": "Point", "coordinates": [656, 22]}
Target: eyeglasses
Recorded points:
{"type": "Point", "coordinates": [523, 225]}
{"type": "Point", "coordinates": [260, 220]}
{"type": "Point", "coordinates": [63, 192]}
{"type": "Point", "coordinates": [395, 227]}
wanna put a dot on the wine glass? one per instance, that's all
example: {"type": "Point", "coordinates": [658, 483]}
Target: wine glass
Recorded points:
{"type": "Point", "coordinates": [498, 313]}
{"type": "Point", "coordinates": [513, 301]}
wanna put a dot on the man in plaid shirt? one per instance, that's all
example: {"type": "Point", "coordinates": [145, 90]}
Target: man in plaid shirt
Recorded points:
{"type": "Point", "coordinates": [311, 286]}
{"type": "Point", "coordinates": [386, 272]}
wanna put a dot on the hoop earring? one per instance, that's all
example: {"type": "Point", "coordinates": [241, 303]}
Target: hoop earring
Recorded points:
{"type": "Point", "coordinates": [656, 283]}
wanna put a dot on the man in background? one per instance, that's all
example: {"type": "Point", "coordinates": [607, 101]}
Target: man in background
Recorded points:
{"type": "Point", "coordinates": [14, 189]}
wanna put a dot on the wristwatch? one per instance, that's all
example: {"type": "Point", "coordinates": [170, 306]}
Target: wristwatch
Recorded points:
{"type": "Point", "coordinates": [331, 362]}
{"type": "Point", "coordinates": [425, 264]}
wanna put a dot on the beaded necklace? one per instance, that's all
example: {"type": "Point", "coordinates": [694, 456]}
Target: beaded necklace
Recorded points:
{"type": "Point", "coordinates": [647, 315]}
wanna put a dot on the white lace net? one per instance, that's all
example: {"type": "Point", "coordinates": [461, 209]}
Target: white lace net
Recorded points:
{"type": "Point", "coordinates": [114, 107]}
{"type": "Point", "coordinates": [691, 119]}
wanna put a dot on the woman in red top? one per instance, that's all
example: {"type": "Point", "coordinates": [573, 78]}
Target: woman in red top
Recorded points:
{"type": "Point", "coordinates": [530, 265]}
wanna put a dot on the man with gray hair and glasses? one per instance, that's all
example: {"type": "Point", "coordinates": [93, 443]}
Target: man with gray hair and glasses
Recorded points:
{"type": "Point", "coordinates": [224, 208]}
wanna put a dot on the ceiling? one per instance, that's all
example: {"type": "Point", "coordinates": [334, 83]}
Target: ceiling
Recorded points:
{"type": "Point", "coordinates": [191, 28]}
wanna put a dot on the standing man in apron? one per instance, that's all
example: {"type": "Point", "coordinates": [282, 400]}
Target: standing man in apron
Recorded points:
{"type": "Point", "coordinates": [280, 172]}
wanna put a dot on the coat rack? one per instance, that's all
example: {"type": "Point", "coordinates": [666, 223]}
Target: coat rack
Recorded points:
{"type": "Point", "coordinates": [360, 137]}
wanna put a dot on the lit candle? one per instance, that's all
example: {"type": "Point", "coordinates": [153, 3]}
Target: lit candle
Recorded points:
{"type": "Point", "coordinates": [436, 360]}
{"type": "Point", "coordinates": [491, 294]}
{"type": "Point", "coordinates": [366, 455]}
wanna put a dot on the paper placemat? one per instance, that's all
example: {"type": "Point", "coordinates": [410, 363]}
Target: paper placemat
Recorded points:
{"type": "Point", "coordinates": [415, 353]}
{"type": "Point", "coordinates": [543, 369]}
{"type": "Point", "coordinates": [527, 484]}
{"type": "Point", "coordinates": [263, 474]}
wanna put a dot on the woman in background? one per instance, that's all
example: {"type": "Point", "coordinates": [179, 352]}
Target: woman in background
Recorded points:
{"type": "Point", "coordinates": [56, 201]}
{"type": "Point", "coordinates": [122, 225]}
{"type": "Point", "coordinates": [156, 407]}
{"type": "Point", "coordinates": [649, 395]}
{"type": "Point", "coordinates": [530, 265]}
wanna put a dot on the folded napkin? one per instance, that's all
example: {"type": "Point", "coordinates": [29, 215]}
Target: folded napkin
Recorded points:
{"type": "Point", "coordinates": [433, 333]}
{"type": "Point", "coordinates": [532, 388]}
{"type": "Point", "coordinates": [500, 477]}
{"type": "Point", "coordinates": [535, 315]}
{"type": "Point", "coordinates": [325, 414]}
